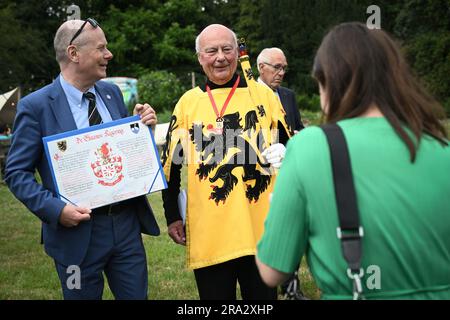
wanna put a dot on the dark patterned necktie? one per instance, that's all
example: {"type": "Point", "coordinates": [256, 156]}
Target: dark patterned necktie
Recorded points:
{"type": "Point", "coordinates": [93, 115]}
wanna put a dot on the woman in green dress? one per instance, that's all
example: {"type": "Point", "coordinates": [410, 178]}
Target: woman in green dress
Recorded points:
{"type": "Point", "coordinates": [400, 162]}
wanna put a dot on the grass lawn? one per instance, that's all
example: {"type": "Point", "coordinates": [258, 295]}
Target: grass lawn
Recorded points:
{"type": "Point", "coordinates": [26, 272]}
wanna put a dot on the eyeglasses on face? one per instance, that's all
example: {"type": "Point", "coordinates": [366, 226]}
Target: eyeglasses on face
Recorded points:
{"type": "Point", "coordinates": [277, 67]}
{"type": "Point", "coordinates": [92, 22]}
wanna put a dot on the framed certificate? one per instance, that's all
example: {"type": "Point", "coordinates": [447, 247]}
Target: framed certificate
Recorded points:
{"type": "Point", "coordinates": [104, 164]}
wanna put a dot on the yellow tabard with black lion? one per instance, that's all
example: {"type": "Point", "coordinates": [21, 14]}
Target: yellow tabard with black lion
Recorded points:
{"type": "Point", "coordinates": [229, 182]}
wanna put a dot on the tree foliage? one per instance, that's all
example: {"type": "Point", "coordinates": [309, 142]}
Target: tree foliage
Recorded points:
{"type": "Point", "coordinates": [154, 35]}
{"type": "Point", "coordinates": [162, 88]}
{"type": "Point", "coordinates": [424, 27]}
{"type": "Point", "coordinates": [26, 57]}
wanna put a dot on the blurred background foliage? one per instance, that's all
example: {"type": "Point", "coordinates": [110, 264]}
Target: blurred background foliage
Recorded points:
{"type": "Point", "coordinates": [151, 38]}
{"type": "Point", "coordinates": [163, 89]}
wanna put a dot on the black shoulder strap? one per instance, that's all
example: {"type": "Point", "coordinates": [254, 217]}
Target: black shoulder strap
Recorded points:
{"type": "Point", "coordinates": [350, 231]}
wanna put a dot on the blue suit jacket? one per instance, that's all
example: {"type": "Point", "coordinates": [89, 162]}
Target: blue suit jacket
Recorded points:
{"type": "Point", "coordinates": [293, 118]}
{"type": "Point", "coordinates": [44, 113]}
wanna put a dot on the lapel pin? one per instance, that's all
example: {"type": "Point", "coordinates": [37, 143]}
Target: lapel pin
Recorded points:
{"type": "Point", "coordinates": [108, 97]}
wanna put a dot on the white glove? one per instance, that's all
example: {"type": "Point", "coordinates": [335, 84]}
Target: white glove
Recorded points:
{"type": "Point", "coordinates": [275, 154]}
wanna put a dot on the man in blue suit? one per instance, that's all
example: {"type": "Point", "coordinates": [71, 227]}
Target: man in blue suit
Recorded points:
{"type": "Point", "coordinates": [272, 66]}
{"type": "Point", "coordinates": [84, 243]}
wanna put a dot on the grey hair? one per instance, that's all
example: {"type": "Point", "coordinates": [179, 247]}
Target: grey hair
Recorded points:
{"type": "Point", "coordinates": [63, 36]}
{"type": "Point", "coordinates": [264, 55]}
{"type": "Point", "coordinates": [197, 39]}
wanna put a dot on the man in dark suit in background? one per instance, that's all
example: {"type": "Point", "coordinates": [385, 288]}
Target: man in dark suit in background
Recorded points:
{"type": "Point", "coordinates": [272, 66]}
{"type": "Point", "coordinates": [106, 239]}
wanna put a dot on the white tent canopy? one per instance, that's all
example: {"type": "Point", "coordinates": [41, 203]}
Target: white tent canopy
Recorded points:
{"type": "Point", "coordinates": [8, 106]}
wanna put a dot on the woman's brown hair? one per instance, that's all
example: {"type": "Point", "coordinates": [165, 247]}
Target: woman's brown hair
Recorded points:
{"type": "Point", "coordinates": [358, 68]}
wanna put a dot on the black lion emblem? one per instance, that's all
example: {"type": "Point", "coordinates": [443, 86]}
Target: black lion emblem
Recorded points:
{"type": "Point", "coordinates": [216, 147]}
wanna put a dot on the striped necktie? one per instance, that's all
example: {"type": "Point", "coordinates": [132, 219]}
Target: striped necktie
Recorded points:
{"type": "Point", "coordinates": [93, 115]}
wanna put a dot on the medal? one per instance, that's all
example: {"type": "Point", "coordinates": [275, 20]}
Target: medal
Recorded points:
{"type": "Point", "coordinates": [219, 123]}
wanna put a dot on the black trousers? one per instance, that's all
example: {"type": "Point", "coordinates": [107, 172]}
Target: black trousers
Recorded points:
{"type": "Point", "coordinates": [219, 282]}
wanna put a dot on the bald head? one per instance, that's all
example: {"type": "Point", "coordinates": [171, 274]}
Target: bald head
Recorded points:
{"type": "Point", "coordinates": [63, 36]}
{"type": "Point", "coordinates": [211, 29]}
{"type": "Point", "coordinates": [82, 53]}
{"type": "Point", "coordinates": [272, 66]}
{"type": "Point", "coordinates": [267, 54]}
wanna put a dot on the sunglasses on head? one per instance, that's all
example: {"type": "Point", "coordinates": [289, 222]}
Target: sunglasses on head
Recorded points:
{"type": "Point", "coordinates": [92, 22]}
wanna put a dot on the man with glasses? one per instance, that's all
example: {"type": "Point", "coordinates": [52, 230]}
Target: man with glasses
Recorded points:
{"type": "Point", "coordinates": [84, 243]}
{"type": "Point", "coordinates": [217, 125]}
{"type": "Point", "coordinates": [272, 67]}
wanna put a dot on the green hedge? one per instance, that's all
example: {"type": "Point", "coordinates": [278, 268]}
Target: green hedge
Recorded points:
{"type": "Point", "coordinates": [306, 102]}
{"type": "Point", "coordinates": [161, 89]}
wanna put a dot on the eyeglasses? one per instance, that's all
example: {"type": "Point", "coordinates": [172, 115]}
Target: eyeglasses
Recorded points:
{"type": "Point", "coordinates": [278, 67]}
{"type": "Point", "coordinates": [93, 23]}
